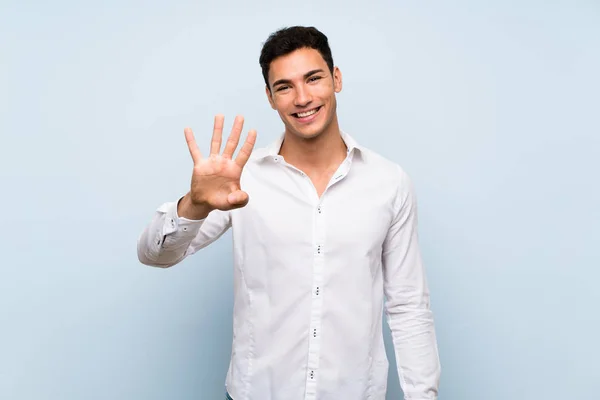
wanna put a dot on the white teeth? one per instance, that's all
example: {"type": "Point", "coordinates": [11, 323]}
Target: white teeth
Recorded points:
{"type": "Point", "coordinates": [306, 114]}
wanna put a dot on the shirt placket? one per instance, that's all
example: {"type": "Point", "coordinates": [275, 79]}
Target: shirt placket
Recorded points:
{"type": "Point", "coordinates": [314, 338]}
{"type": "Point", "coordinates": [319, 243]}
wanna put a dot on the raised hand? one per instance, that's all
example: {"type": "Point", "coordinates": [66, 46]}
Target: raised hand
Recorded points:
{"type": "Point", "coordinates": [216, 178]}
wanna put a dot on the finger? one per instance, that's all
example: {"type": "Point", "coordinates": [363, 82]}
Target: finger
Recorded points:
{"type": "Point", "coordinates": [215, 144]}
{"type": "Point", "coordinates": [246, 149]}
{"type": "Point", "coordinates": [234, 137]}
{"type": "Point", "coordinates": [238, 198]}
{"type": "Point", "coordinates": [192, 146]}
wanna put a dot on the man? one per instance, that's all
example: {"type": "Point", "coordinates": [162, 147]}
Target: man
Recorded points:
{"type": "Point", "coordinates": [323, 228]}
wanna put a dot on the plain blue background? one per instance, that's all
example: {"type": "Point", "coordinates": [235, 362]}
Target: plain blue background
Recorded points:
{"type": "Point", "coordinates": [493, 108]}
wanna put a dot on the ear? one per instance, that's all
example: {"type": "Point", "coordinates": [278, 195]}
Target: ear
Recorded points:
{"type": "Point", "coordinates": [269, 97]}
{"type": "Point", "coordinates": [337, 79]}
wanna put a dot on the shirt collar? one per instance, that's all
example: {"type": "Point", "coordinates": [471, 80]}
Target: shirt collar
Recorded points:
{"type": "Point", "coordinates": [272, 150]}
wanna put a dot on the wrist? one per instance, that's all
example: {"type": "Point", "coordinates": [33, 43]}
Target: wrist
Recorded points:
{"type": "Point", "coordinates": [193, 211]}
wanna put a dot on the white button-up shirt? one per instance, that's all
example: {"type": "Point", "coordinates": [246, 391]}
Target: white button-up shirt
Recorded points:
{"type": "Point", "coordinates": [310, 275]}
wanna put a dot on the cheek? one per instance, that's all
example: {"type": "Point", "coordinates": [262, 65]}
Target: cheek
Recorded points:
{"type": "Point", "coordinates": [326, 93]}
{"type": "Point", "coordinates": [282, 105]}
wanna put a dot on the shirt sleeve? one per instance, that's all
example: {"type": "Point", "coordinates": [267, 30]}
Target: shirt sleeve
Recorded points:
{"type": "Point", "coordinates": [407, 302]}
{"type": "Point", "coordinates": [168, 238]}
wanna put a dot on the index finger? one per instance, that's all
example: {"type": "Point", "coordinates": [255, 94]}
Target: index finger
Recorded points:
{"type": "Point", "coordinates": [246, 150]}
{"type": "Point", "coordinates": [192, 146]}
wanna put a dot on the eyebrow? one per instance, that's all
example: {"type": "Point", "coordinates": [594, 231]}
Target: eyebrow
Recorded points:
{"type": "Point", "coordinates": [287, 81]}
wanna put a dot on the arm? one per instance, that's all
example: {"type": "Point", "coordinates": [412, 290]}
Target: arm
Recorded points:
{"type": "Point", "coordinates": [170, 238]}
{"type": "Point", "coordinates": [179, 229]}
{"type": "Point", "coordinates": [407, 301]}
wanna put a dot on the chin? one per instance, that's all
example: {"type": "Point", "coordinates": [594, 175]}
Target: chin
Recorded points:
{"type": "Point", "coordinates": [306, 133]}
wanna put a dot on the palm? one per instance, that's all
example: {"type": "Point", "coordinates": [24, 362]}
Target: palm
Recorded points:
{"type": "Point", "coordinates": [216, 179]}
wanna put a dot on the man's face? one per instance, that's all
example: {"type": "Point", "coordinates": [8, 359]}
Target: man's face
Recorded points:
{"type": "Point", "coordinates": [303, 92]}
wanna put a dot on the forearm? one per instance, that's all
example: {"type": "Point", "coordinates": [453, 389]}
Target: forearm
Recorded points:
{"type": "Point", "coordinates": [415, 346]}
{"type": "Point", "coordinates": [411, 323]}
{"type": "Point", "coordinates": [165, 241]}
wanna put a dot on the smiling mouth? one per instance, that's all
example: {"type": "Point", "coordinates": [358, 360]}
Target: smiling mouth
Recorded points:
{"type": "Point", "coordinates": [308, 113]}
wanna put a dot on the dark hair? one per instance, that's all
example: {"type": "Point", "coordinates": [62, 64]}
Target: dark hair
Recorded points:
{"type": "Point", "coordinates": [287, 40]}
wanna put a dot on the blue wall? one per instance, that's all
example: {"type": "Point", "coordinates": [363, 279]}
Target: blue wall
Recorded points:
{"type": "Point", "coordinates": [492, 108]}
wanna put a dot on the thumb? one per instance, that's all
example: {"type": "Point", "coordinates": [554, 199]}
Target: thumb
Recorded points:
{"type": "Point", "coordinates": [238, 198]}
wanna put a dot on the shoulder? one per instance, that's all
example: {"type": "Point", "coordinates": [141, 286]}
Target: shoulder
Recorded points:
{"type": "Point", "coordinates": [391, 175]}
{"type": "Point", "coordinates": [378, 165]}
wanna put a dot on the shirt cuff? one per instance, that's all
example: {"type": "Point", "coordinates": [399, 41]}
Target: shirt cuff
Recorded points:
{"type": "Point", "coordinates": [176, 226]}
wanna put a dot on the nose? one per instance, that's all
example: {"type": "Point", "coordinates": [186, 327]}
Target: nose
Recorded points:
{"type": "Point", "coordinates": [303, 97]}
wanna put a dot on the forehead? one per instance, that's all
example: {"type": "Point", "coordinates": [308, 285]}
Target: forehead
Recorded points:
{"type": "Point", "coordinates": [295, 64]}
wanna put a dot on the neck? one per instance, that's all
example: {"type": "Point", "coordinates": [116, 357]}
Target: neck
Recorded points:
{"type": "Point", "coordinates": [315, 154]}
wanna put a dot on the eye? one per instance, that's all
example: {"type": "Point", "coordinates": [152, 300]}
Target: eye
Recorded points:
{"type": "Point", "coordinates": [314, 78]}
{"type": "Point", "coordinates": [283, 87]}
